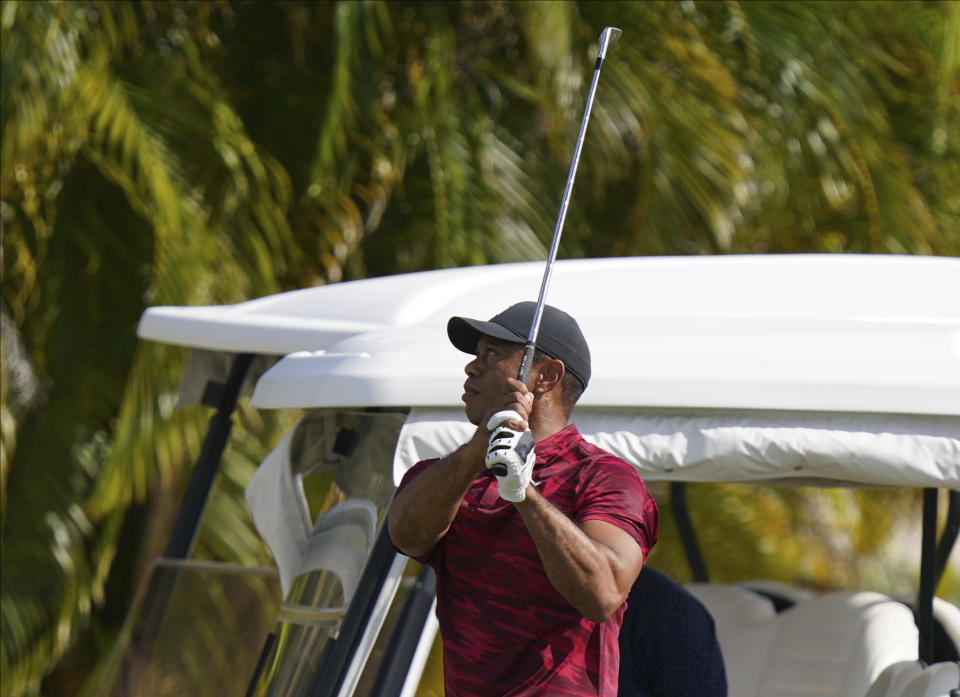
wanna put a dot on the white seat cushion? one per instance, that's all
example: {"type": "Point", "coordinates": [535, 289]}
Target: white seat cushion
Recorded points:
{"type": "Point", "coordinates": [746, 624]}
{"type": "Point", "coordinates": [834, 645]}
{"type": "Point", "coordinates": [339, 540]}
{"type": "Point", "coordinates": [945, 613]}
{"type": "Point", "coordinates": [936, 680]}
{"type": "Point", "coordinates": [837, 644]}
{"type": "Point", "coordinates": [894, 678]}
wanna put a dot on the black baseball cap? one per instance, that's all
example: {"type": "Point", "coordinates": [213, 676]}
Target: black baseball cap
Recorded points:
{"type": "Point", "coordinates": [559, 335]}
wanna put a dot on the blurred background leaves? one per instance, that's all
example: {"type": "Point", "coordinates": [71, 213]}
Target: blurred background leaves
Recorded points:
{"type": "Point", "coordinates": [210, 152]}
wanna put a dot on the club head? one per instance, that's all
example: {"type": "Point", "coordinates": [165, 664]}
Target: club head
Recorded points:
{"type": "Point", "coordinates": [608, 37]}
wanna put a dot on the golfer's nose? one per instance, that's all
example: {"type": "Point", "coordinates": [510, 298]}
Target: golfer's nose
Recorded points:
{"type": "Point", "coordinates": [473, 367]}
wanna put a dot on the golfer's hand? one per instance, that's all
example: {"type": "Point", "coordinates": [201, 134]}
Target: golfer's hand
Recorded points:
{"type": "Point", "coordinates": [510, 456]}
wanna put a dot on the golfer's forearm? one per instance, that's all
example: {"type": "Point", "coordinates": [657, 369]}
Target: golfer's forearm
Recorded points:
{"type": "Point", "coordinates": [577, 566]}
{"type": "Point", "coordinates": [423, 511]}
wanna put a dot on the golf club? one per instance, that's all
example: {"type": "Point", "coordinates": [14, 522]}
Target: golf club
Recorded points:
{"type": "Point", "coordinates": [608, 37]}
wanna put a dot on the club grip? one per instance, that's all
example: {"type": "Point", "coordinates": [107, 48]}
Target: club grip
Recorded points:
{"type": "Point", "coordinates": [526, 362]}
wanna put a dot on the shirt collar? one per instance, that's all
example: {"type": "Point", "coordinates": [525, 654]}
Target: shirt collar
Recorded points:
{"type": "Point", "coordinates": [558, 441]}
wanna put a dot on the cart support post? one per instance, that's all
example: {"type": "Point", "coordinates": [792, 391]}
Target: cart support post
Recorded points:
{"type": "Point", "coordinates": [928, 564]}
{"type": "Point", "coordinates": [691, 548]}
{"type": "Point", "coordinates": [201, 481]}
{"type": "Point", "coordinates": [224, 397]}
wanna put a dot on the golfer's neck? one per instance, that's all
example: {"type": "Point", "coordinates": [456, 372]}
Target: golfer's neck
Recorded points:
{"type": "Point", "coordinates": [544, 423]}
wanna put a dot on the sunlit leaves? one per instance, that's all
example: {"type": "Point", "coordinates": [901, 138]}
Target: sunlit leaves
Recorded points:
{"type": "Point", "coordinates": [194, 153]}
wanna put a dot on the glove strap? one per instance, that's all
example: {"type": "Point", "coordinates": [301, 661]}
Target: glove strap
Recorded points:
{"type": "Point", "coordinates": [523, 446]}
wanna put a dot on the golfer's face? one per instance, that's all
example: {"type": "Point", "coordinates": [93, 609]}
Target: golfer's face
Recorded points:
{"type": "Point", "coordinates": [487, 375]}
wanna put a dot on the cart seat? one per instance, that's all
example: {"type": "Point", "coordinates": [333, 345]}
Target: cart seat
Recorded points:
{"type": "Point", "coordinates": [833, 645]}
{"type": "Point", "coordinates": [339, 541]}
{"type": "Point", "coordinates": [913, 679]}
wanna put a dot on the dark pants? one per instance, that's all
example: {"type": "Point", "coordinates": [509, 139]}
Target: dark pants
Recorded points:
{"type": "Point", "coordinates": [668, 644]}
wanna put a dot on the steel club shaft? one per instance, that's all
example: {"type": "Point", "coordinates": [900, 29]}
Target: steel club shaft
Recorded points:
{"type": "Point", "coordinates": [608, 37]}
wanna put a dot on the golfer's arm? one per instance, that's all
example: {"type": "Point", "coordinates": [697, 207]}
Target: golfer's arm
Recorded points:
{"type": "Point", "coordinates": [423, 511]}
{"type": "Point", "coordinates": [593, 566]}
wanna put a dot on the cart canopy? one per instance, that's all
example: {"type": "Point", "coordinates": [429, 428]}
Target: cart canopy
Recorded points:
{"type": "Point", "coordinates": [830, 369]}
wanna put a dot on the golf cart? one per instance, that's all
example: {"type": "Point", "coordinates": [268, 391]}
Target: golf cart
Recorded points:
{"type": "Point", "coordinates": [807, 370]}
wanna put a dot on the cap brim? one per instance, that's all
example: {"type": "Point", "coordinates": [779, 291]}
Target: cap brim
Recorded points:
{"type": "Point", "coordinates": [465, 333]}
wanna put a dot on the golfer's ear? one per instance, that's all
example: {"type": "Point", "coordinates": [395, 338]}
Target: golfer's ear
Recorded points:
{"type": "Point", "coordinates": [549, 374]}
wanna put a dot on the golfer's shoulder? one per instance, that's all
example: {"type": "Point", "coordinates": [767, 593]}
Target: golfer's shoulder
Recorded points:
{"type": "Point", "coordinates": [599, 462]}
{"type": "Point", "coordinates": [415, 471]}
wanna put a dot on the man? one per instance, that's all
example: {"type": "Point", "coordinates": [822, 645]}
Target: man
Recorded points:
{"type": "Point", "coordinates": [533, 567]}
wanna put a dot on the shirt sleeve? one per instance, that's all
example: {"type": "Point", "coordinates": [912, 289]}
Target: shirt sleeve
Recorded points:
{"type": "Point", "coordinates": [614, 493]}
{"type": "Point", "coordinates": [408, 477]}
{"type": "Point", "coordinates": [414, 472]}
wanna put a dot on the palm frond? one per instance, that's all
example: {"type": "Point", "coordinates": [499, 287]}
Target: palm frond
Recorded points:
{"type": "Point", "coordinates": [195, 153]}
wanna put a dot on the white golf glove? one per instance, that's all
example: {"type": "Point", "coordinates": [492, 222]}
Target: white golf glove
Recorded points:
{"type": "Point", "coordinates": [510, 456]}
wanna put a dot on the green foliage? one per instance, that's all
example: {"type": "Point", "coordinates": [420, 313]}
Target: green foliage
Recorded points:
{"type": "Point", "coordinates": [821, 539]}
{"type": "Point", "coordinates": [209, 152]}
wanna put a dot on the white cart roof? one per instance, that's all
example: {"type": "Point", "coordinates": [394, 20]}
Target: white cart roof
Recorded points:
{"type": "Point", "coordinates": [792, 369]}
{"type": "Point", "coordinates": [823, 333]}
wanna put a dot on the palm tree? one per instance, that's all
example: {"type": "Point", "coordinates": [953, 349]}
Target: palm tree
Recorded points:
{"type": "Point", "coordinates": [195, 153]}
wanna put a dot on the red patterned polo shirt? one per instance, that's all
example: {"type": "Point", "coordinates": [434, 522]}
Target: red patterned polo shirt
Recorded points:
{"type": "Point", "coordinates": [506, 631]}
